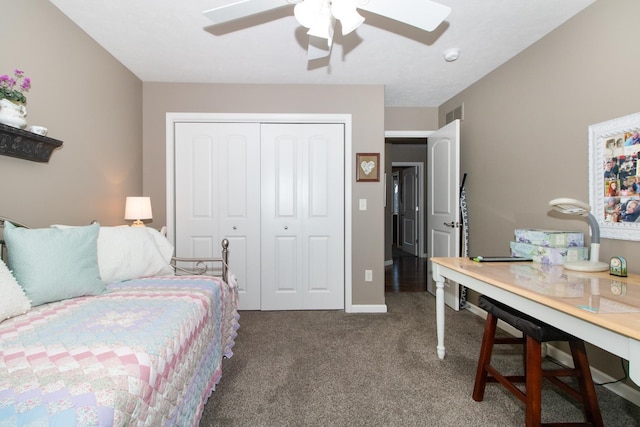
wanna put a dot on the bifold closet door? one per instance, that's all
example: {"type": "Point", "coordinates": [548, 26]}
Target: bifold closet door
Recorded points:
{"type": "Point", "coordinates": [302, 210]}
{"type": "Point", "coordinates": [217, 186]}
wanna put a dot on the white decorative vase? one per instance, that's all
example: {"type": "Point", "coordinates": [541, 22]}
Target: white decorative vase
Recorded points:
{"type": "Point", "coordinates": [13, 114]}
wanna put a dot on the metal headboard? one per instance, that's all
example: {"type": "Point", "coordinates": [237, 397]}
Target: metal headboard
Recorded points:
{"type": "Point", "coordinates": [3, 248]}
{"type": "Point", "coordinates": [199, 266]}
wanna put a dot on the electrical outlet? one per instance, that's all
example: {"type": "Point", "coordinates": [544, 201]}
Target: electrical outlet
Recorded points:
{"type": "Point", "coordinates": [368, 275]}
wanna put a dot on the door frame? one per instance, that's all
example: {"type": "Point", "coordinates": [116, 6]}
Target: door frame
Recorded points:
{"type": "Point", "coordinates": [345, 119]}
{"type": "Point", "coordinates": [421, 207]}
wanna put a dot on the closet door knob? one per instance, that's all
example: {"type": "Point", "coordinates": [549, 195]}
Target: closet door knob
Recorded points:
{"type": "Point", "coordinates": [286, 227]}
{"type": "Point", "coordinates": [235, 228]}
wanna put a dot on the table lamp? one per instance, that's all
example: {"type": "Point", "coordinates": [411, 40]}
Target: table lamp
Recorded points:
{"type": "Point", "coordinates": [136, 209]}
{"type": "Point", "coordinates": [576, 207]}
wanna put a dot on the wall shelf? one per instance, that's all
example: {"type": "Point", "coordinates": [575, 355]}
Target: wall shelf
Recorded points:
{"type": "Point", "coordinates": [26, 145]}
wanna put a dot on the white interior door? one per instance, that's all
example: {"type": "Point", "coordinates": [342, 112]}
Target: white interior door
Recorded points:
{"type": "Point", "coordinates": [302, 210]}
{"type": "Point", "coordinates": [443, 203]}
{"type": "Point", "coordinates": [217, 196]}
{"type": "Point", "coordinates": [409, 213]}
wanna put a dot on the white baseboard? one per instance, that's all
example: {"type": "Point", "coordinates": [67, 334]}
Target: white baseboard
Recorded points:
{"type": "Point", "coordinates": [365, 308]}
{"type": "Point", "coordinates": [621, 389]}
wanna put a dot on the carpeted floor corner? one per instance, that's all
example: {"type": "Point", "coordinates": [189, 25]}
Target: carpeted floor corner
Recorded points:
{"type": "Point", "coordinates": [330, 368]}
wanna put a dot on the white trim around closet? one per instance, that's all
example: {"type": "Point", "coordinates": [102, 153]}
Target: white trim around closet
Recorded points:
{"type": "Point", "coordinates": [172, 118]}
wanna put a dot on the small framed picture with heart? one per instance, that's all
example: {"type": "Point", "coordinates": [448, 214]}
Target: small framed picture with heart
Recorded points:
{"type": "Point", "coordinates": [367, 167]}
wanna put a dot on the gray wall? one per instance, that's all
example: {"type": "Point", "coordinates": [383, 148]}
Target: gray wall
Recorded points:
{"type": "Point", "coordinates": [524, 134]}
{"type": "Point", "coordinates": [88, 100]}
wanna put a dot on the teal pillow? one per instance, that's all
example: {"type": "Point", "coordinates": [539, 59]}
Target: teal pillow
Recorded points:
{"type": "Point", "coordinates": [53, 264]}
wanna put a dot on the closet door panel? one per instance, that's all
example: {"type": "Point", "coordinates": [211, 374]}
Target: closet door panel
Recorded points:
{"type": "Point", "coordinates": [195, 190]}
{"type": "Point", "coordinates": [280, 224]}
{"type": "Point", "coordinates": [285, 168]}
{"type": "Point", "coordinates": [217, 197]}
{"type": "Point", "coordinates": [324, 215]}
{"type": "Point", "coordinates": [286, 262]}
{"type": "Point", "coordinates": [302, 199]}
{"type": "Point", "coordinates": [239, 205]}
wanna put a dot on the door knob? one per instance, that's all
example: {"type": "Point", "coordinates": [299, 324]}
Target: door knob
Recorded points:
{"type": "Point", "coordinates": [286, 228]}
{"type": "Point", "coordinates": [452, 224]}
{"type": "Point", "coordinates": [235, 228]}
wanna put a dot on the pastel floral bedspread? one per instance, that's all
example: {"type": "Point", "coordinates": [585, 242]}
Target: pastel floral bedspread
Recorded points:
{"type": "Point", "coordinates": [147, 353]}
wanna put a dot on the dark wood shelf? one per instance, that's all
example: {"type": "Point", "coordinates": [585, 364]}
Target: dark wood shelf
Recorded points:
{"type": "Point", "coordinates": [26, 145]}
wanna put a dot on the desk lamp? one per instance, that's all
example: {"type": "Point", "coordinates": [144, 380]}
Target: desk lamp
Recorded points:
{"type": "Point", "coordinates": [576, 207]}
{"type": "Point", "coordinates": [137, 209]}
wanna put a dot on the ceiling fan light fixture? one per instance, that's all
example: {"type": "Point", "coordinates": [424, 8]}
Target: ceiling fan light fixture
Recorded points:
{"type": "Point", "coordinates": [307, 11]}
{"type": "Point", "coordinates": [319, 16]}
{"type": "Point", "coordinates": [323, 28]}
{"type": "Point", "coordinates": [346, 12]}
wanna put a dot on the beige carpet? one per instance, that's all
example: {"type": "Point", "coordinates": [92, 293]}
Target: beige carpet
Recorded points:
{"type": "Point", "coordinates": [329, 368]}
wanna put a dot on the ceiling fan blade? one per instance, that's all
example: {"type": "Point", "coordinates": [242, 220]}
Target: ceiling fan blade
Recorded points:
{"type": "Point", "coordinates": [244, 8]}
{"type": "Point", "coordinates": [423, 14]}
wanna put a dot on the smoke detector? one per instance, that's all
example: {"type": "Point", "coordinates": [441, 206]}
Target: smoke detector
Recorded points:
{"type": "Point", "coordinates": [451, 55]}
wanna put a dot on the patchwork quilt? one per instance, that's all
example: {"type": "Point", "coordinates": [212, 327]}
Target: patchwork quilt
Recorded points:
{"type": "Point", "coordinates": [146, 353]}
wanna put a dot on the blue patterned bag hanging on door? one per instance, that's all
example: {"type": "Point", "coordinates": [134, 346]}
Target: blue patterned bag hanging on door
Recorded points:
{"type": "Point", "coordinates": [464, 247]}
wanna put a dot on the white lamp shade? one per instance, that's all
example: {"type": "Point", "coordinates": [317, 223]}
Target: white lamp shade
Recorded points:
{"type": "Point", "coordinates": [345, 11]}
{"type": "Point", "coordinates": [323, 28]}
{"type": "Point", "coordinates": [137, 208]}
{"type": "Point", "coordinates": [307, 11]}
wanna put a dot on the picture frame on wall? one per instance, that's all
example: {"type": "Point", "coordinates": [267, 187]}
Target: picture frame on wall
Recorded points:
{"type": "Point", "coordinates": [614, 182]}
{"type": "Point", "coordinates": [367, 167]}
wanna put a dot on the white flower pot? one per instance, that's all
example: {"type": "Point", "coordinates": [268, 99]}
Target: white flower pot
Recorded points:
{"type": "Point", "coordinates": [13, 114]}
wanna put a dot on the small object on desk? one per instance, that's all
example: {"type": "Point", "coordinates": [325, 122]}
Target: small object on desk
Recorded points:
{"type": "Point", "coordinates": [499, 259]}
{"type": "Point", "coordinates": [618, 266]}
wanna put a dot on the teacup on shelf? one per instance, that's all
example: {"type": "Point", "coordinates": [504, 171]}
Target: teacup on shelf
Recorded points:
{"type": "Point", "coordinates": [40, 130]}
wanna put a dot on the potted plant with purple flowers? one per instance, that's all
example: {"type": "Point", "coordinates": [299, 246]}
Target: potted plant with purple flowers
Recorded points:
{"type": "Point", "coordinates": [12, 99]}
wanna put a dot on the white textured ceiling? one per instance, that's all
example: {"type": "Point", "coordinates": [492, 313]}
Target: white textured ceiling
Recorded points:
{"type": "Point", "coordinates": [170, 41]}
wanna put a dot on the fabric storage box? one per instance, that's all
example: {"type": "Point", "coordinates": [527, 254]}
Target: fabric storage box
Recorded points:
{"type": "Point", "coordinates": [550, 238]}
{"type": "Point", "coordinates": [546, 255]}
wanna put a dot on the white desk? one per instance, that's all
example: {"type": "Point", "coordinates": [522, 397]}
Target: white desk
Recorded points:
{"type": "Point", "coordinates": [596, 307]}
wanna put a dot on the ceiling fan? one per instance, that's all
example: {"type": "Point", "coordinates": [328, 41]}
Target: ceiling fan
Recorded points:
{"type": "Point", "coordinates": [319, 16]}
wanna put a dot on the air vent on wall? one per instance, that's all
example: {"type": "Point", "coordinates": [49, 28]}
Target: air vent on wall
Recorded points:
{"type": "Point", "coordinates": [456, 113]}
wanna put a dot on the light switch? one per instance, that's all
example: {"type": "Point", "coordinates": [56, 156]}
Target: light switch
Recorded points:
{"type": "Point", "coordinates": [368, 275]}
{"type": "Point", "coordinates": [363, 204]}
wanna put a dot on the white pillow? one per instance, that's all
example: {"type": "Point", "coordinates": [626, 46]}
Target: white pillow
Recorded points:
{"type": "Point", "coordinates": [126, 253]}
{"type": "Point", "coordinates": [13, 301]}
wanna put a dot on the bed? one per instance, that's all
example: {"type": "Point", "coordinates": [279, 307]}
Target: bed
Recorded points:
{"type": "Point", "coordinates": [142, 345]}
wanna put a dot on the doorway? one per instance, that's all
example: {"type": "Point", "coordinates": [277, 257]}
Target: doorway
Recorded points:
{"type": "Point", "coordinates": [404, 271]}
{"type": "Point", "coordinates": [408, 207]}
{"type": "Point", "coordinates": [405, 150]}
